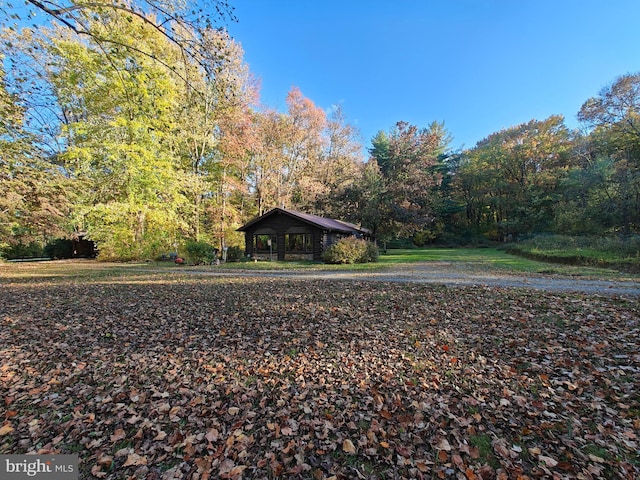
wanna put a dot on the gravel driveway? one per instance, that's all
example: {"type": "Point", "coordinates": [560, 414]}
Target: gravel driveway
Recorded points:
{"type": "Point", "coordinates": [453, 274]}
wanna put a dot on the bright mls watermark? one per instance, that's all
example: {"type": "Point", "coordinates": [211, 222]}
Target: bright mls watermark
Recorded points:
{"type": "Point", "coordinates": [45, 467]}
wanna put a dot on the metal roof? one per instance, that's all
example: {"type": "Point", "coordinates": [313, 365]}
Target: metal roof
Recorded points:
{"type": "Point", "coordinates": [320, 222]}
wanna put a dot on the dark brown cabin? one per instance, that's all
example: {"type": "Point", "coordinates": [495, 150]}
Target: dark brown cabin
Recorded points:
{"type": "Point", "coordinates": [289, 235]}
{"type": "Point", "coordinates": [83, 248]}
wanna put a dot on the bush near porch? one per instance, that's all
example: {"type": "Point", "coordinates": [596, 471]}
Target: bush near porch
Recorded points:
{"type": "Point", "coordinates": [351, 250]}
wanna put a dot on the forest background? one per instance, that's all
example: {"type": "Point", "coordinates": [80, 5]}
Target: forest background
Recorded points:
{"type": "Point", "coordinates": [139, 125]}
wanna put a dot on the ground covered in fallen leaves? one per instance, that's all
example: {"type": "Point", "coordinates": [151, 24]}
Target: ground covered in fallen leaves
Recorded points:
{"type": "Point", "coordinates": [164, 377]}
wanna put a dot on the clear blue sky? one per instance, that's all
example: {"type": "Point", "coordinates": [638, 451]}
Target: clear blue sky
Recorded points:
{"type": "Point", "coordinates": [478, 65]}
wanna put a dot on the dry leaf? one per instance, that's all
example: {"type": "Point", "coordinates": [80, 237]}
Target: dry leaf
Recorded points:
{"type": "Point", "coordinates": [550, 462]}
{"type": "Point", "coordinates": [212, 435]}
{"type": "Point", "coordinates": [348, 446]}
{"type": "Point", "coordinates": [6, 429]}
{"type": "Point", "coordinates": [97, 472]}
{"type": "Point", "coordinates": [105, 461]}
{"type": "Point", "coordinates": [119, 434]}
{"type": "Point", "coordinates": [444, 445]}
{"type": "Point", "coordinates": [134, 459]}
{"type": "Point", "coordinates": [443, 456]}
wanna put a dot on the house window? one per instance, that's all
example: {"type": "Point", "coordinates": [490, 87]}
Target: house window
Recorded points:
{"type": "Point", "coordinates": [261, 243]}
{"type": "Point", "coordinates": [299, 242]}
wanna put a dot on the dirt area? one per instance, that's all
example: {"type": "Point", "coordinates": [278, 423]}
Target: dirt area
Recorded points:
{"type": "Point", "coordinates": [456, 274]}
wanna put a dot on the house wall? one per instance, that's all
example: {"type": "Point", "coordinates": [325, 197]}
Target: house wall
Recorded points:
{"type": "Point", "coordinates": [83, 248]}
{"type": "Point", "coordinates": [280, 224]}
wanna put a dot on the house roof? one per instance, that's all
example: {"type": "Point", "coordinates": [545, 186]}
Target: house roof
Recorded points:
{"type": "Point", "coordinates": [320, 222]}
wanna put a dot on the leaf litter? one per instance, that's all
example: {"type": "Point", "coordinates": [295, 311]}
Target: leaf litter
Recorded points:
{"type": "Point", "coordinates": [172, 377]}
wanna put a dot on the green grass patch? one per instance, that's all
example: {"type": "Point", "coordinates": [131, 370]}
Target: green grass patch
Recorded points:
{"type": "Point", "coordinates": [599, 452]}
{"type": "Point", "coordinates": [488, 259]}
{"type": "Point", "coordinates": [485, 450]}
{"type": "Point", "coordinates": [620, 253]}
{"type": "Point", "coordinates": [478, 258]}
{"type": "Point", "coordinates": [485, 256]}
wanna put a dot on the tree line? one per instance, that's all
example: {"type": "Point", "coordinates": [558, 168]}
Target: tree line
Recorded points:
{"type": "Point", "coordinates": [536, 177]}
{"type": "Point", "coordinates": [131, 135]}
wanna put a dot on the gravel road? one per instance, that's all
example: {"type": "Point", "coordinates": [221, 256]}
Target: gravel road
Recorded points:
{"type": "Point", "coordinates": [453, 274]}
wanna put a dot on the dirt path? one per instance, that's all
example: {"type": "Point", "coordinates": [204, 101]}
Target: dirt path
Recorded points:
{"type": "Point", "coordinates": [452, 274]}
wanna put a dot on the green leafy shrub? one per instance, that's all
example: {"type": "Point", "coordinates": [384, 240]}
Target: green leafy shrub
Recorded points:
{"type": "Point", "coordinates": [235, 254]}
{"type": "Point", "coordinates": [428, 236]}
{"type": "Point", "coordinates": [372, 253]}
{"type": "Point", "coordinates": [424, 237]}
{"type": "Point", "coordinates": [21, 250]}
{"type": "Point", "coordinates": [351, 250]}
{"type": "Point", "coordinates": [200, 252]}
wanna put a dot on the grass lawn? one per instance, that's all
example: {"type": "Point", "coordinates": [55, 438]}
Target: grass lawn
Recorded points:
{"type": "Point", "coordinates": [157, 374]}
{"type": "Point", "coordinates": [486, 259]}
{"type": "Point", "coordinates": [497, 259]}
{"type": "Point", "coordinates": [478, 258]}
{"type": "Point", "coordinates": [487, 256]}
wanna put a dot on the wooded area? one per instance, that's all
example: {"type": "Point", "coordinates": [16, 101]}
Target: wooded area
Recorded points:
{"type": "Point", "coordinates": [145, 136]}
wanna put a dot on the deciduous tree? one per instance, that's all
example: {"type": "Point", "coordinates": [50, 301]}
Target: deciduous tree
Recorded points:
{"type": "Point", "coordinates": [407, 158]}
{"type": "Point", "coordinates": [287, 147]}
{"type": "Point", "coordinates": [212, 137]}
{"type": "Point", "coordinates": [333, 171]}
{"type": "Point", "coordinates": [510, 179]}
{"type": "Point", "coordinates": [614, 116]}
{"type": "Point", "coordinates": [617, 106]}
{"type": "Point", "coordinates": [120, 115]}
{"type": "Point", "coordinates": [183, 24]}
{"type": "Point", "coordinates": [34, 201]}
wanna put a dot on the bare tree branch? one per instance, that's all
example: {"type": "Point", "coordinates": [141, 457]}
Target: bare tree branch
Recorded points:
{"type": "Point", "coordinates": [177, 27]}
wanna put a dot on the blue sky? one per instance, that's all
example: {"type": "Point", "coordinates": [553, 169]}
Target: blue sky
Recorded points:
{"type": "Point", "coordinates": [479, 66]}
